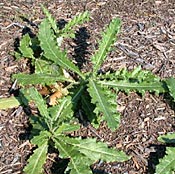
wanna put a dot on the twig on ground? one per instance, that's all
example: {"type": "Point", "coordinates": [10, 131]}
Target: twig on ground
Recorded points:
{"type": "Point", "coordinates": [12, 24]}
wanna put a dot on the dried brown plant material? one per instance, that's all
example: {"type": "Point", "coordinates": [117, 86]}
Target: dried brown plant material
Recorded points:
{"type": "Point", "coordinates": [53, 98]}
{"type": "Point", "coordinates": [44, 91]}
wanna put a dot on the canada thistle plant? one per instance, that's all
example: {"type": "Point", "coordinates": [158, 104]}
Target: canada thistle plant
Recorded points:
{"type": "Point", "coordinates": [55, 120]}
{"type": "Point", "coordinates": [92, 93]}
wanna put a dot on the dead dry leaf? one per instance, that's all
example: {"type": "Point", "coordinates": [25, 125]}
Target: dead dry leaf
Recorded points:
{"type": "Point", "coordinates": [53, 98]}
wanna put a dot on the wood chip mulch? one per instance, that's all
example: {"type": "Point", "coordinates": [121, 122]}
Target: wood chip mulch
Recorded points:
{"type": "Point", "coordinates": [147, 38]}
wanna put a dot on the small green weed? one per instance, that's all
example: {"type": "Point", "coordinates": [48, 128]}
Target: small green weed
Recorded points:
{"type": "Point", "coordinates": [50, 128]}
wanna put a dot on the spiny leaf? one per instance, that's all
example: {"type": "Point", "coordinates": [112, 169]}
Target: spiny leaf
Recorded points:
{"type": "Point", "coordinates": [171, 86]}
{"type": "Point", "coordinates": [136, 75]}
{"type": "Point", "coordinates": [37, 98]}
{"type": "Point", "coordinates": [76, 94]}
{"type": "Point", "coordinates": [46, 67]}
{"type": "Point", "coordinates": [78, 19]}
{"type": "Point", "coordinates": [17, 55]}
{"type": "Point", "coordinates": [168, 138]}
{"type": "Point", "coordinates": [38, 125]}
{"type": "Point", "coordinates": [87, 151]}
{"type": "Point", "coordinates": [25, 49]}
{"type": "Point", "coordinates": [65, 128]}
{"type": "Point", "coordinates": [167, 163]}
{"type": "Point", "coordinates": [134, 86]}
{"type": "Point", "coordinates": [51, 50]}
{"type": "Point", "coordinates": [51, 19]}
{"type": "Point", "coordinates": [11, 102]}
{"type": "Point", "coordinates": [96, 150]}
{"type": "Point", "coordinates": [37, 160]}
{"type": "Point", "coordinates": [78, 163]}
{"type": "Point", "coordinates": [41, 139]}
{"type": "Point", "coordinates": [40, 102]}
{"type": "Point", "coordinates": [138, 80]}
{"type": "Point", "coordinates": [105, 103]}
{"type": "Point", "coordinates": [108, 38]}
{"type": "Point", "coordinates": [26, 79]}
{"type": "Point", "coordinates": [62, 112]}
{"type": "Point", "coordinates": [88, 108]}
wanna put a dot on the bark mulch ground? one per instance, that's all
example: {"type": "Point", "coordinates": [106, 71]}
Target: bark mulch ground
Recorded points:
{"type": "Point", "coordinates": [147, 38]}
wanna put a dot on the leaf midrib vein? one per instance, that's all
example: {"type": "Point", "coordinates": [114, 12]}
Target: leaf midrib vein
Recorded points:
{"type": "Point", "coordinates": [103, 50]}
{"type": "Point", "coordinates": [107, 115]}
{"type": "Point", "coordinates": [38, 157]}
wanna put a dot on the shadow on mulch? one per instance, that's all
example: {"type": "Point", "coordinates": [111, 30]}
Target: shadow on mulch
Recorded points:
{"type": "Point", "coordinates": [59, 166]}
{"type": "Point", "coordinates": [160, 149]}
{"type": "Point", "coordinates": [81, 46]}
{"type": "Point", "coordinates": [99, 172]}
{"type": "Point", "coordinates": [169, 100]}
{"type": "Point", "coordinates": [154, 157]}
{"type": "Point", "coordinates": [80, 41]}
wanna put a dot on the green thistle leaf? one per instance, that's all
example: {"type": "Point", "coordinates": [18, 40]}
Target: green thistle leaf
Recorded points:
{"type": "Point", "coordinates": [167, 164]}
{"type": "Point", "coordinates": [105, 102]}
{"type": "Point", "coordinates": [11, 102]}
{"type": "Point", "coordinates": [84, 152]}
{"type": "Point", "coordinates": [47, 67]}
{"type": "Point", "coordinates": [137, 80]}
{"type": "Point", "coordinates": [41, 104]}
{"type": "Point", "coordinates": [25, 49]}
{"type": "Point", "coordinates": [67, 128]}
{"type": "Point", "coordinates": [41, 139]}
{"type": "Point", "coordinates": [78, 163]}
{"type": "Point", "coordinates": [51, 19]}
{"type": "Point", "coordinates": [62, 112]}
{"type": "Point", "coordinates": [51, 50]}
{"type": "Point", "coordinates": [171, 86]}
{"type": "Point", "coordinates": [67, 31]}
{"type": "Point", "coordinates": [108, 38]}
{"type": "Point", "coordinates": [27, 79]}
{"type": "Point", "coordinates": [130, 86]}
{"type": "Point", "coordinates": [37, 160]}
